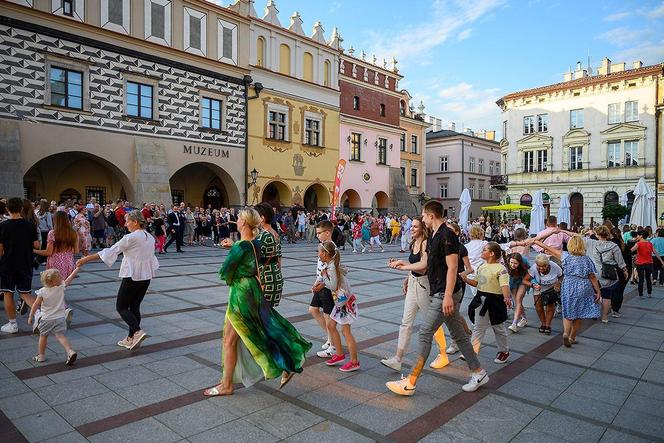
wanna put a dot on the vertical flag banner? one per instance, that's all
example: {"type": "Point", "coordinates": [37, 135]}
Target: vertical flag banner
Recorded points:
{"type": "Point", "coordinates": [341, 167]}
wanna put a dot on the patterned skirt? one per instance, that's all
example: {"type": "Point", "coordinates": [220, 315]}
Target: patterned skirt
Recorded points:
{"type": "Point", "coordinates": [273, 283]}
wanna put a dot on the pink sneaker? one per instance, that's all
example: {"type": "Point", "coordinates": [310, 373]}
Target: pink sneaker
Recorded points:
{"type": "Point", "coordinates": [335, 359]}
{"type": "Point", "coordinates": [350, 367]}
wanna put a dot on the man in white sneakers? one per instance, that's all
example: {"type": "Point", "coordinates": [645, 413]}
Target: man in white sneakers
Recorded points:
{"type": "Point", "coordinates": [445, 287]}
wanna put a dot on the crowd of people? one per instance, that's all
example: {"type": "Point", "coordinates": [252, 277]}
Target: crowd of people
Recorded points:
{"type": "Point", "coordinates": [582, 275]}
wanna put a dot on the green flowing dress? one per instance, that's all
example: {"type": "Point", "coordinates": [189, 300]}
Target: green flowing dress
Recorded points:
{"type": "Point", "coordinates": [269, 344]}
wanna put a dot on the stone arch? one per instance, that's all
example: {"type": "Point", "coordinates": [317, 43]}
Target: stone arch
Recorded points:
{"type": "Point", "coordinates": [380, 202]}
{"type": "Point", "coordinates": [83, 172]}
{"type": "Point", "coordinates": [350, 200]}
{"type": "Point", "coordinates": [611, 198]}
{"type": "Point", "coordinates": [278, 194]}
{"type": "Point", "coordinates": [316, 196]}
{"type": "Point", "coordinates": [196, 182]}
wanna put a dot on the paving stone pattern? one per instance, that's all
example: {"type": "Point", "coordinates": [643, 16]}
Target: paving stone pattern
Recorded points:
{"type": "Point", "coordinates": [607, 388]}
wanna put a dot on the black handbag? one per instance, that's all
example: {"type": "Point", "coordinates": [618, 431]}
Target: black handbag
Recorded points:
{"type": "Point", "coordinates": [608, 272]}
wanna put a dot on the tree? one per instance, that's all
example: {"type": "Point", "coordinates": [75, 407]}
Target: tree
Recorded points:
{"type": "Point", "coordinates": [614, 212]}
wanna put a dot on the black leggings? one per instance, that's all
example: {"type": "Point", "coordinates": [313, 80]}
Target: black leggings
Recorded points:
{"type": "Point", "coordinates": [128, 305]}
{"type": "Point", "coordinates": [645, 271]}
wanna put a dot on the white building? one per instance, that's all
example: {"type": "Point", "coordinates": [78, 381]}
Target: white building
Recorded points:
{"type": "Point", "coordinates": [590, 137]}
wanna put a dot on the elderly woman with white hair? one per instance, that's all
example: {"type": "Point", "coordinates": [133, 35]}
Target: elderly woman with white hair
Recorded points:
{"type": "Point", "coordinates": [546, 278]}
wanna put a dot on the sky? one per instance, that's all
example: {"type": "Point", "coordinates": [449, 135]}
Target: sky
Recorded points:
{"type": "Point", "coordinates": [460, 56]}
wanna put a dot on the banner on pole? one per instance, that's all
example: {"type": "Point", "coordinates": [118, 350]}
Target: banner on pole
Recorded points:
{"type": "Point", "coordinates": [341, 167]}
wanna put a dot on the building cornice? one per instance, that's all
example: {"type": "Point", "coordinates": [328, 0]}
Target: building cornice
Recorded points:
{"type": "Point", "coordinates": [414, 121]}
{"type": "Point", "coordinates": [491, 143]}
{"type": "Point", "coordinates": [352, 120]}
{"type": "Point", "coordinates": [294, 79]}
{"type": "Point", "coordinates": [368, 65]}
{"type": "Point", "coordinates": [354, 81]}
{"type": "Point", "coordinates": [115, 47]}
{"type": "Point", "coordinates": [306, 100]}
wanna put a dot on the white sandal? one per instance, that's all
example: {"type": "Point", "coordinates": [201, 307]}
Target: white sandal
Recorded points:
{"type": "Point", "coordinates": [39, 358]}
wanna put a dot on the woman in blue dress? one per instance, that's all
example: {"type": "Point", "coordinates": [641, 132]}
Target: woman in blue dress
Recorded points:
{"type": "Point", "coordinates": [580, 291]}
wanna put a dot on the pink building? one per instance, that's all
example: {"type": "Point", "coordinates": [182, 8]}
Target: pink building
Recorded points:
{"type": "Point", "coordinates": [370, 134]}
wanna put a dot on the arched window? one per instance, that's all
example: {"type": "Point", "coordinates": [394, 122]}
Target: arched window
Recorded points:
{"type": "Point", "coordinates": [260, 52]}
{"type": "Point", "coordinates": [526, 200]}
{"type": "Point", "coordinates": [402, 108]}
{"type": "Point", "coordinates": [611, 198]}
{"type": "Point", "coordinates": [327, 73]}
{"type": "Point", "coordinates": [284, 59]}
{"type": "Point", "coordinates": [308, 67]}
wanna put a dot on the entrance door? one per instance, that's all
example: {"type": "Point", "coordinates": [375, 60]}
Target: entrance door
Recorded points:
{"type": "Point", "coordinates": [213, 198]}
{"type": "Point", "coordinates": [576, 209]}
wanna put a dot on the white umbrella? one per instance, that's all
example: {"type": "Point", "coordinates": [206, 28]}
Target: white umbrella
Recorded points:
{"type": "Point", "coordinates": [643, 208]}
{"type": "Point", "coordinates": [564, 215]}
{"type": "Point", "coordinates": [624, 201]}
{"type": "Point", "coordinates": [537, 214]}
{"type": "Point", "coordinates": [465, 209]}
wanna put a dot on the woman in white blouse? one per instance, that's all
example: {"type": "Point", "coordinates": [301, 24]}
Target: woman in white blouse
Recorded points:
{"type": "Point", "coordinates": [136, 271]}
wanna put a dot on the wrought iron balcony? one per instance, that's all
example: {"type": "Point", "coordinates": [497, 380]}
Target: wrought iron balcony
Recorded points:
{"type": "Point", "coordinates": [499, 181]}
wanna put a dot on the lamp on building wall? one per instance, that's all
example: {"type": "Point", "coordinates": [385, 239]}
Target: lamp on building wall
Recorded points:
{"type": "Point", "coordinates": [348, 139]}
{"type": "Point", "coordinates": [365, 141]}
{"type": "Point", "coordinates": [376, 143]}
{"type": "Point", "coordinates": [258, 87]}
{"type": "Point", "coordinates": [390, 146]}
{"type": "Point", "coordinates": [254, 176]}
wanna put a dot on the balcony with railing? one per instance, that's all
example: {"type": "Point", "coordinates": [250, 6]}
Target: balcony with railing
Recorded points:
{"type": "Point", "coordinates": [499, 182]}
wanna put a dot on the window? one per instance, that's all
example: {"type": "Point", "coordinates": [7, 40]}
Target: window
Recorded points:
{"type": "Point", "coordinates": [158, 21]}
{"type": "Point", "coordinates": [211, 111]}
{"type": "Point", "coordinates": [382, 110]}
{"type": "Point", "coordinates": [260, 52]}
{"type": "Point", "coordinates": [614, 113]}
{"type": "Point", "coordinates": [443, 191]}
{"type": "Point", "coordinates": [480, 192]}
{"type": "Point", "coordinates": [413, 177]}
{"type": "Point", "coordinates": [277, 125]}
{"type": "Point", "coordinates": [308, 67]}
{"type": "Point", "coordinates": [541, 159]}
{"type": "Point", "coordinates": [471, 164]}
{"type": "Point", "coordinates": [195, 31]}
{"type": "Point", "coordinates": [226, 42]}
{"type": "Point", "coordinates": [284, 59]}
{"type": "Point", "coordinates": [139, 100]}
{"type": "Point", "coordinates": [355, 147]}
{"type": "Point", "coordinates": [443, 164]}
{"type": "Point", "coordinates": [402, 108]}
{"type": "Point", "coordinates": [613, 149]}
{"type": "Point", "coordinates": [413, 144]}
{"type": "Point", "coordinates": [490, 168]}
{"type": "Point", "coordinates": [66, 88]}
{"type": "Point", "coordinates": [528, 124]}
{"type": "Point", "coordinates": [312, 132]}
{"type": "Point", "coordinates": [327, 73]}
{"type": "Point", "coordinates": [402, 143]}
{"type": "Point", "coordinates": [632, 153]}
{"type": "Point", "coordinates": [505, 128]}
{"type": "Point", "coordinates": [632, 111]}
{"type": "Point", "coordinates": [480, 166]}
{"type": "Point", "coordinates": [529, 161]}
{"type": "Point", "coordinates": [542, 122]}
{"type": "Point", "coordinates": [471, 189]}
{"type": "Point", "coordinates": [68, 7]}
{"type": "Point", "coordinates": [575, 157]}
{"type": "Point", "coordinates": [403, 173]}
{"type": "Point", "coordinates": [98, 192]}
{"type": "Point", "coordinates": [356, 103]}
{"type": "Point", "coordinates": [382, 151]}
{"type": "Point", "coordinates": [576, 118]}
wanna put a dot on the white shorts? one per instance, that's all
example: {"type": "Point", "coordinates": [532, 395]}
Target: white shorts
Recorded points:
{"type": "Point", "coordinates": [375, 240]}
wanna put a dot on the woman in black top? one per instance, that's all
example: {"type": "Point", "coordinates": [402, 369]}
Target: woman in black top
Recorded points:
{"type": "Point", "coordinates": [618, 294]}
{"type": "Point", "coordinates": [416, 289]}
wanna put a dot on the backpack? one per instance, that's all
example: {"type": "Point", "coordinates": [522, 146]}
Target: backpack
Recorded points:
{"type": "Point", "coordinates": [338, 237]}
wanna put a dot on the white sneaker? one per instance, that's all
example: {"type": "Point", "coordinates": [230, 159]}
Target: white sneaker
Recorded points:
{"type": "Point", "coordinates": [477, 379]}
{"type": "Point", "coordinates": [401, 387]}
{"type": "Point", "coordinates": [522, 323]}
{"type": "Point", "coordinates": [392, 363]}
{"type": "Point", "coordinates": [327, 353]}
{"type": "Point", "coordinates": [513, 327]}
{"type": "Point", "coordinates": [452, 349]}
{"type": "Point", "coordinates": [615, 314]}
{"type": "Point", "coordinates": [363, 250]}
{"type": "Point", "coordinates": [327, 344]}
{"type": "Point", "coordinates": [10, 328]}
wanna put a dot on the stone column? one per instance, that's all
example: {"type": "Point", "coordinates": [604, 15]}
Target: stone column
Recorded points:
{"type": "Point", "coordinates": [151, 176]}
{"type": "Point", "coordinates": [11, 173]}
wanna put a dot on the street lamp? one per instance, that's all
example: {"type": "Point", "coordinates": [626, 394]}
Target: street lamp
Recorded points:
{"type": "Point", "coordinates": [254, 176]}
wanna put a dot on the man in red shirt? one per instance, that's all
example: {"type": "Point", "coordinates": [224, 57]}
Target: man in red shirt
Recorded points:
{"type": "Point", "coordinates": [644, 260]}
{"type": "Point", "coordinates": [120, 214]}
{"type": "Point", "coordinates": [146, 212]}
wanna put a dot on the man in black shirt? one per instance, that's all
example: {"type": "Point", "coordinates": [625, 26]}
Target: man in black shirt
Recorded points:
{"type": "Point", "coordinates": [175, 229]}
{"type": "Point", "coordinates": [445, 286]}
{"type": "Point", "coordinates": [18, 237]}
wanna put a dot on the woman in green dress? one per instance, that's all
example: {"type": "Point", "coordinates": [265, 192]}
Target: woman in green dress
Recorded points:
{"type": "Point", "coordinates": [269, 265]}
{"type": "Point", "coordinates": [257, 341]}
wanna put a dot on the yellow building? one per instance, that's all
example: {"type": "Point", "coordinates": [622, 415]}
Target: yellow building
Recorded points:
{"type": "Point", "coordinates": [412, 145]}
{"type": "Point", "coordinates": [293, 125]}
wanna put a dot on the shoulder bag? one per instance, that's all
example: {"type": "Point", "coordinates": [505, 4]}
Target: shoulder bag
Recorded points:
{"type": "Point", "coordinates": [609, 272]}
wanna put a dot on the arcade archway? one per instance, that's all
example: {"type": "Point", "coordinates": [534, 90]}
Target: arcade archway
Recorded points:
{"type": "Point", "coordinates": [204, 184]}
{"type": "Point", "coordinates": [316, 196]}
{"type": "Point", "coordinates": [350, 201]}
{"type": "Point", "coordinates": [277, 194]}
{"type": "Point", "coordinates": [380, 202]}
{"type": "Point", "coordinates": [76, 175]}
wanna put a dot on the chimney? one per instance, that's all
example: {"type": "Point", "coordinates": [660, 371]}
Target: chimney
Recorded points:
{"type": "Point", "coordinates": [481, 134]}
{"type": "Point", "coordinates": [637, 64]}
{"type": "Point", "coordinates": [605, 68]}
{"type": "Point", "coordinates": [491, 135]}
{"type": "Point", "coordinates": [580, 72]}
{"type": "Point", "coordinates": [617, 67]}
{"type": "Point", "coordinates": [451, 126]}
{"type": "Point", "coordinates": [468, 131]}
